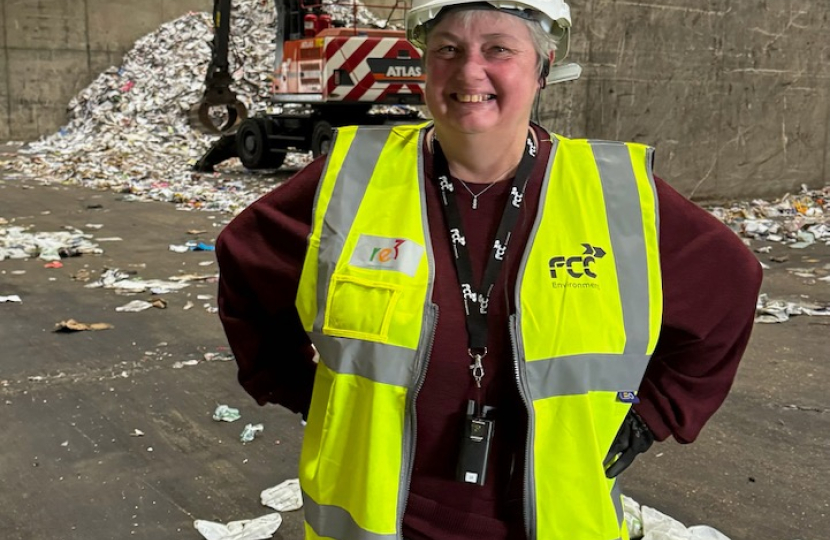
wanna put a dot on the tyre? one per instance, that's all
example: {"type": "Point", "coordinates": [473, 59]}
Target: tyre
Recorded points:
{"type": "Point", "coordinates": [254, 148]}
{"type": "Point", "coordinates": [321, 138]}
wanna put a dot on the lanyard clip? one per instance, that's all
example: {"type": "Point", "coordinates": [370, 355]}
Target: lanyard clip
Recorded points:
{"type": "Point", "coordinates": [477, 367]}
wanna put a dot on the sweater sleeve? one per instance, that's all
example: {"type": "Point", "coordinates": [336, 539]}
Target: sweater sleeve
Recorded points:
{"type": "Point", "coordinates": [260, 255]}
{"type": "Point", "coordinates": [710, 288]}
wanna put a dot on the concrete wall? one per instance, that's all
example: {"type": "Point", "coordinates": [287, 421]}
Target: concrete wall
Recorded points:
{"type": "Point", "coordinates": [735, 95]}
{"type": "Point", "coordinates": [54, 48]}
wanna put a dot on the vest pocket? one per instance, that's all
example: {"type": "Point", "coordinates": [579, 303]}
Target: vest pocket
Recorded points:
{"type": "Point", "coordinates": [360, 308]}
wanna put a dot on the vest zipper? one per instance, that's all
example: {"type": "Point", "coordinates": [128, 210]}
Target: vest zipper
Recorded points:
{"type": "Point", "coordinates": [524, 392]}
{"type": "Point", "coordinates": [413, 428]}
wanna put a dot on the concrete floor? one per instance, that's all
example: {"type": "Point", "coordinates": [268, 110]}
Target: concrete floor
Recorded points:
{"type": "Point", "coordinates": [71, 468]}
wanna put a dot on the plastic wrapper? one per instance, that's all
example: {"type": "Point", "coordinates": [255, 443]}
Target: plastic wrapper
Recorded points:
{"type": "Point", "coordinates": [646, 523]}
{"type": "Point", "coordinates": [769, 310]}
{"type": "Point", "coordinates": [223, 413]}
{"type": "Point", "coordinates": [250, 431]}
{"type": "Point", "coordinates": [260, 528]}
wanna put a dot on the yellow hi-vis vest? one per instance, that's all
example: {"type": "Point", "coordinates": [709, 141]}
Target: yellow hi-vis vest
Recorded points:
{"type": "Point", "coordinates": [588, 313]}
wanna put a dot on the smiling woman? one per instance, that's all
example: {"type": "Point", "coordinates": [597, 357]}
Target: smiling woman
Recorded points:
{"type": "Point", "coordinates": [571, 333]}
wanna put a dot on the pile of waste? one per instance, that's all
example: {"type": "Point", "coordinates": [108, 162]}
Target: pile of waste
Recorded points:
{"type": "Point", "coordinates": [797, 221]}
{"type": "Point", "coordinates": [128, 130]}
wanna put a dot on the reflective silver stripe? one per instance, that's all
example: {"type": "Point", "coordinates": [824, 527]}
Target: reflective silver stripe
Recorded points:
{"type": "Point", "coordinates": [349, 189]}
{"type": "Point", "coordinates": [381, 363]}
{"type": "Point", "coordinates": [616, 498]}
{"type": "Point", "coordinates": [331, 521]}
{"type": "Point", "coordinates": [625, 223]}
{"type": "Point", "coordinates": [582, 373]}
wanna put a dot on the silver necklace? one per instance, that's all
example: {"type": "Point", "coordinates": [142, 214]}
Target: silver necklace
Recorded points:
{"type": "Point", "coordinates": [476, 195]}
{"type": "Point", "coordinates": [480, 193]}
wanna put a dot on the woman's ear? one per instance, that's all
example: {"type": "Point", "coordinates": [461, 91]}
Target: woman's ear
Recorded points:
{"type": "Point", "coordinates": [546, 64]}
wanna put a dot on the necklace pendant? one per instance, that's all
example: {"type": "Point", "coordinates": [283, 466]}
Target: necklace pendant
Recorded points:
{"type": "Point", "coordinates": [475, 202]}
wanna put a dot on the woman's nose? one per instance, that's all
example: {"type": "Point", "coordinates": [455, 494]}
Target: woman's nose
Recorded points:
{"type": "Point", "coordinates": [472, 66]}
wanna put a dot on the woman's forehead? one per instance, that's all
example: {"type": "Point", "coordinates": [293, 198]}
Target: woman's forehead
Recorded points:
{"type": "Point", "coordinates": [483, 22]}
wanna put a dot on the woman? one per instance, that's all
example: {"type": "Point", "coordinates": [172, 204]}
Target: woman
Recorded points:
{"type": "Point", "coordinates": [486, 299]}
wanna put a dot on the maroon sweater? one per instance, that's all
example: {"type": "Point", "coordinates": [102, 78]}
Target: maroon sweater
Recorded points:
{"type": "Point", "coordinates": [703, 336]}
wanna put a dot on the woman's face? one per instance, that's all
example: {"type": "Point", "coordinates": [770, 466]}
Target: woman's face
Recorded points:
{"type": "Point", "coordinates": [481, 74]}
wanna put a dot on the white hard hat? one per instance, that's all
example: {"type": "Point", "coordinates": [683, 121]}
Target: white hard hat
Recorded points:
{"type": "Point", "coordinates": [553, 15]}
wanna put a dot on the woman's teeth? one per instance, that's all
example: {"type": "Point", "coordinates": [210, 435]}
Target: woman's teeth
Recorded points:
{"type": "Point", "coordinates": [474, 98]}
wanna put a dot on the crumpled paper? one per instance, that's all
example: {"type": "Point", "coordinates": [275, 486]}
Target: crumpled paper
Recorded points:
{"type": "Point", "coordinates": [284, 497]}
{"type": "Point", "coordinates": [260, 528]}
{"type": "Point", "coordinates": [71, 325]}
{"type": "Point", "coordinates": [127, 283]}
{"type": "Point", "coordinates": [768, 310]}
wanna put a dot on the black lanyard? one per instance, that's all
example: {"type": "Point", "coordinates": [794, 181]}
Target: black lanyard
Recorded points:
{"type": "Point", "coordinates": [476, 299]}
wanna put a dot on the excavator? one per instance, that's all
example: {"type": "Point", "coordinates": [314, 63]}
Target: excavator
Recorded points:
{"type": "Point", "coordinates": [329, 71]}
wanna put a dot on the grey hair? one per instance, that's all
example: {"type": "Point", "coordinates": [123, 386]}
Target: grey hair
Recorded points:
{"type": "Point", "coordinates": [543, 42]}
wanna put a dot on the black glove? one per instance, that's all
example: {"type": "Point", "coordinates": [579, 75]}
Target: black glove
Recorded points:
{"type": "Point", "coordinates": [633, 438]}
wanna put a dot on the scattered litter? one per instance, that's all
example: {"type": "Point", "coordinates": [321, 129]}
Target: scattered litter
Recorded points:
{"type": "Point", "coordinates": [778, 311]}
{"type": "Point", "coordinates": [71, 325]}
{"type": "Point", "coordinates": [223, 413]}
{"type": "Point", "coordinates": [20, 243]}
{"type": "Point", "coordinates": [10, 298]}
{"type": "Point", "coordinates": [646, 523]}
{"type": "Point", "coordinates": [185, 363]}
{"type": "Point", "coordinates": [250, 432]}
{"type": "Point", "coordinates": [135, 306]}
{"type": "Point", "coordinates": [126, 283]}
{"type": "Point", "coordinates": [191, 246]}
{"type": "Point", "coordinates": [204, 296]}
{"type": "Point", "coordinates": [205, 263]}
{"type": "Point", "coordinates": [53, 264]}
{"type": "Point", "coordinates": [194, 277]}
{"type": "Point", "coordinates": [796, 220]}
{"type": "Point", "coordinates": [218, 357]}
{"type": "Point", "coordinates": [110, 239]}
{"type": "Point", "coordinates": [285, 497]}
{"type": "Point", "coordinates": [137, 433]}
{"type": "Point", "coordinates": [260, 528]}
{"type": "Point", "coordinates": [94, 226]}
{"type": "Point", "coordinates": [188, 305]}
{"type": "Point", "coordinates": [82, 275]}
